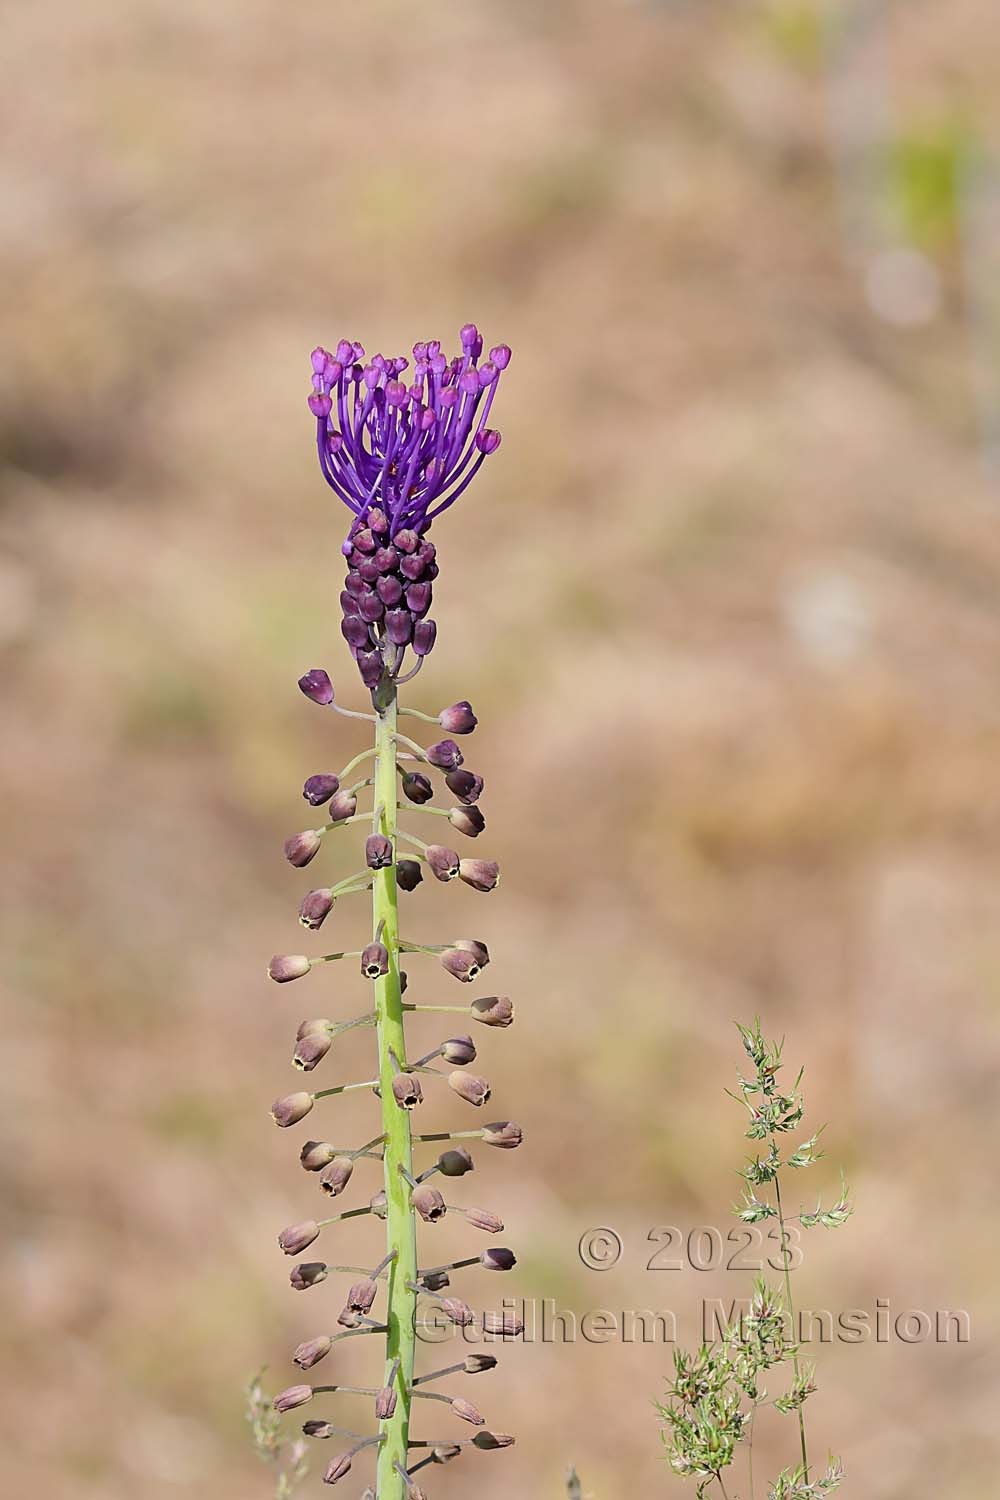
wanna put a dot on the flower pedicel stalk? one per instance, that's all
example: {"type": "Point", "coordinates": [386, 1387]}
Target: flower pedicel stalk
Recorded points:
{"type": "Point", "coordinates": [398, 454]}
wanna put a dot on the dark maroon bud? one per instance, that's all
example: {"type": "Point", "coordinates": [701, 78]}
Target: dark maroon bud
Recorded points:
{"type": "Point", "coordinates": [374, 961]}
{"type": "Point", "coordinates": [481, 1218]}
{"type": "Point", "coordinates": [296, 1395]}
{"type": "Point", "coordinates": [319, 1429]}
{"type": "Point", "coordinates": [432, 571]}
{"type": "Point", "coordinates": [291, 1108]}
{"type": "Point", "coordinates": [298, 1237]}
{"type": "Point", "coordinates": [459, 718]}
{"type": "Point", "coordinates": [316, 685]}
{"type": "Point", "coordinates": [386, 559]}
{"type": "Point", "coordinates": [356, 586]}
{"type": "Point", "coordinates": [416, 786]}
{"type": "Point", "coordinates": [385, 1403]}
{"type": "Point", "coordinates": [362, 1294]}
{"type": "Point", "coordinates": [320, 788]}
{"type": "Point", "coordinates": [412, 567]}
{"type": "Point", "coordinates": [355, 632]}
{"type": "Point", "coordinates": [315, 907]}
{"type": "Point", "coordinates": [311, 1049]}
{"type": "Point", "coordinates": [315, 1155]}
{"type": "Point", "coordinates": [378, 851]}
{"type": "Point", "coordinates": [481, 874]}
{"type": "Point", "coordinates": [370, 667]}
{"type": "Point", "coordinates": [342, 805]}
{"type": "Point", "coordinates": [377, 521]}
{"type": "Point", "coordinates": [470, 1088]}
{"type": "Point", "coordinates": [467, 1412]}
{"type": "Point", "coordinates": [302, 847]}
{"type": "Point", "coordinates": [487, 1440]}
{"type": "Point", "coordinates": [455, 1163]}
{"type": "Point", "coordinates": [459, 1050]}
{"type": "Point", "coordinates": [334, 1178]}
{"type": "Point", "coordinates": [466, 785]}
{"type": "Point", "coordinates": [436, 1280]}
{"type": "Point", "coordinates": [503, 1133]}
{"type": "Point", "coordinates": [364, 541]}
{"type": "Point", "coordinates": [371, 608]}
{"type": "Point", "coordinates": [493, 1010]}
{"type": "Point", "coordinates": [308, 1273]}
{"type": "Point", "coordinates": [428, 1203]}
{"type": "Point", "coordinates": [389, 590]}
{"type": "Point", "coordinates": [408, 874]}
{"type": "Point", "coordinates": [468, 820]}
{"type": "Point", "coordinates": [406, 541]}
{"type": "Point", "coordinates": [498, 1259]}
{"type": "Point", "coordinates": [379, 1205]}
{"type": "Point", "coordinates": [369, 571]}
{"type": "Point", "coordinates": [406, 1090]}
{"type": "Point", "coordinates": [286, 966]}
{"type": "Point", "coordinates": [445, 755]}
{"type": "Point", "coordinates": [399, 626]}
{"type": "Point", "coordinates": [443, 863]}
{"type": "Point", "coordinates": [418, 598]}
{"type": "Point", "coordinates": [338, 1467]}
{"type": "Point", "coordinates": [312, 1351]}
{"type": "Point", "coordinates": [424, 636]}
{"type": "Point", "coordinates": [460, 965]}
{"type": "Point", "coordinates": [476, 1363]}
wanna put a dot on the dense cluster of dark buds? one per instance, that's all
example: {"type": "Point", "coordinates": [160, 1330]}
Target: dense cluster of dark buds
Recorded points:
{"type": "Point", "coordinates": [398, 452]}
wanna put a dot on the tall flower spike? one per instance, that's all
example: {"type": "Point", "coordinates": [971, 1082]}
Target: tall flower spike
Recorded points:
{"type": "Point", "coordinates": [398, 451]}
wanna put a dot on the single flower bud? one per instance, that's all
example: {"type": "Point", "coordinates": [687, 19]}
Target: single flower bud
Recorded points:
{"type": "Point", "coordinates": [379, 1205]}
{"type": "Point", "coordinates": [481, 1218]}
{"type": "Point", "coordinates": [470, 1088]}
{"type": "Point", "coordinates": [290, 1109]}
{"type": "Point", "coordinates": [406, 540]}
{"type": "Point", "coordinates": [444, 863]}
{"type": "Point", "coordinates": [362, 1294]}
{"type": "Point", "coordinates": [385, 1403]}
{"type": "Point", "coordinates": [316, 685]}
{"type": "Point", "coordinates": [493, 1010]}
{"type": "Point", "coordinates": [445, 1452]}
{"type": "Point", "coordinates": [303, 847]}
{"type": "Point", "coordinates": [418, 598]}
{"type": "Point", "coordinates": [378, 851]}
{"type": "Point", "coordinates": [370, 667]}
{"type": "Point", "coordinates": [424, 636]}
{"type": "Point", "coordinates": [375, 961]}
{"type": "Point", "coordinates": [399, 626]}
{"type": "Point", "coordinates": [311, 1049]}
{"type": "Point", "coordinates": [315, 1025]}
{"type": "Point", "coordinates": [436, 1280]}
{"type": "Point", "coordinates": [465, 785]}
{"type": "Point", "coordinates": [296, 1395]}
{"type": "Point", "coordinates": [316, 1429]}
{"type": "Point", "coordinates": [468, 1412]}
{"type": "Point", "coordinates": [468, 820]}
{"type": "Point", "coordinates": [460, 1050]}
{"type": "Point", "coordinates": [416, 786]}
{"type": "Point", "coordinates": [355, 630]}
{"type": "Point", "coordinates": [487, 1440]}
{"type": "Point", "coordinates": [459, 718]}
{"type": "Point", "coordinates": [428, 1203]}
{"type": "Point", "coordinates": [342, 805]}
{"type": "Point", "coordinates": [308, 1273]}
{"type": "Point", "coordinates": [460, 965]}
{"type": "Point", "coordinates": [475, 1364]}
{"type": "Point", "coordinates": [286, 966]}
{"type": "Point", "coordinates": [457, 1312]}
{"type": "Point", "coordinates": [387, 559]}
{"type": "Point", "coordinates": [315, 907]}
{"type": "Point", "coordinates": [389, 590]}
{"type": "Point", "coordinates": [312, 1351]}
{"type": "Point", "coordinates": [315, 1155]}
{"type": "Point", "coordinates": [320, 788]}
{"type": "Point", "coordinates": [455, 1163]}
{"type": "Point", "coordinates": [498, 1259]}
{"type": "Point", "coordinates": [481, 874]}
{"type": "Point", "coordinates": [370, 608]}
{"type": "Point", "coordinates": [408, 874]}
{"type": "Point", "coordinates": [406, 1090]}
{"type": "Point", "coordinates": [503, 1133]}
{"type": "Point", "coordinates": [445, 755]}
{"type": "Point", "coordinates": [298, 1237]}
{"type": "Point", "coordinates": [338, 1467]}
{"type": "Point", "coordinates": [335, 1177]}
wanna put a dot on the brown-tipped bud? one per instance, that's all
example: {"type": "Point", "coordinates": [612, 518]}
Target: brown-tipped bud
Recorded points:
{"type": "Point", "coordinates": [342, 805]}
{"type": "Point", "coordinates": [375, 961]}
{"type": "Point", "coordinates": [493, 1010]}
{"type": "Point", "coordinates": [318, 1429]}
{"type": "Point", "coordinates": [444, 863]}
{"type": "Point", "coordinates": [378, 852]}
{"type": "Point", "coordinates": [466, 786]}
{"type": "Point", "coordinates": [379, 1205]}
{"type": "Point", "coordinates": [315, 1155]}
{"type": "Point", "coordinates": [296, 1395]}
{"type": "Point", "coordinates": [315, 907]}
{"type": "Point", "coordinates": [470, 1088]}
{"type": "Point", "coordinates": [311, 1049]}
{"type": "Point", "coordinates": [362, 1294]}
{"type": "Point", "coordinates": [291, 1108]}
{"type": "Point", "coordinates": [489, 1440]}
{"type": "Point", "coordinates": [348, 1318]}
{"type": "Point", "coordinates": [302, 847]}
{"type": "Point", "coordinates": [445, 1452]}
{"type": "Point", "coordinates": [481, 874]}
{"type": "Point", "coordinates": [286, 966]}
{"type": "Point", "coordinates": [455, 1163]}
{"type": "Point", "coordinates": [308, 1273]}
{"type": "Point", "coordinates": [476, 1363]}
{"type": "Point", "coordinates": [479, 950]}
{"type": "Point", "coordinates": [315, 1024]}
{"type": "Point", "coordinates": [459, 1050]}
{"type": "Point", "coordinates": [385, 1403]}
{"type": "Point", "coordinates": [468, 1412]}
{"type": "Point", "coordinates": [334, 1178]}
{"type": "Point", "coordinates": [468, 820]}
{"type": "Point", "coordinates": [408, 874]}
{"type": "Point", "coordinates": [481, 1218]}
{"type": "Point", "coordinates": [312, 1351]}
{"type": "Point", "coordinates": [298, 1237]}
{"type": "Point", "coordinates": [503, 1133]}
{"type": "Point", "coordinates": [321, 787]}
{"type": "Point", "coordinates": [460, 964]}
{"type": "Point", "coordinates": [499, 1259]}
{"type": "Point", "coordinates": [459, 718]}
{"type": "Point", "coordinates": [436, 1280]}
{"type": "Point", "coordinates": [457, 1312]}
{"type": "Point", "coordinates": [428, 1203]}
{"type": "Point", "coordinates": [445, 755]}
{"type": "Point", "coordinates": [338, 1467]}
{"type": "Point", "coordinates": [406, 1090]}
{"type": "Point", "coordinates": [416, 787]}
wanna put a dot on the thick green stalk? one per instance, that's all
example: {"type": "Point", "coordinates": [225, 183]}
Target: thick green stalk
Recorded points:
{"type": "Point", "coordinates": [400, 1228]}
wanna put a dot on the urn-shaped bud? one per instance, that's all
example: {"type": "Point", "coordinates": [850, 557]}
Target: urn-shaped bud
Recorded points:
{"type": "Point", "coordinates": [443, 863]}
{"type": "Point", "coordinates": [493, 1010]}
{"type": "Point", "coordinates": [465, 785]}
{"type": "Point", "coordinates": [503, 1133]}
{"type": "Point", "coordinates": [303, 847]}
{"type": "Point", "coordinates": [428, 1203]}
{"type": "Point", "coordinates": [458, 719]}
{"type": "Point", "coordinates": [468, 1412]}
{"type": "Point", "coordinates": [470, 1088]}
{"type": "Point", "coordinates": [308, 1273]}
{"type": "Point", "coordinates": [443, 1453]}
{"type": "Point", "coordinates": [296, 1395]}
{"type": "Point", "coordinates": [478, 949]}
{"type": "Point", "coordinates": [286, 966]}
{"type": "Point", "coordinates": [457, 1312]}
{"type": "Point", "coordinates": [385, 1403]}
{"type": "Point", "coordinates": [312, 1351]}
{"type": "Point", "coordinates": [455, 1163]}
{"type": "Point", "coordinates": [481, 1218]}
{"type": "Point", "coordinates": [291, 1108]}
{"type": "Point", "coordinates": [334, 1178]}
{"type": "Point", "coordinates": [316, 685]}
{"type": "Point", "coordinates": [416, 787]}
{"type": "Point", "coordinates": [378, 851]}
{"type": "Point", "coordinates": [461, 964]}
{"type": "Point", "coordinates": [315, 907]}
{"type": "Point", "coordinates": [342, 805]}
{"type": "Point", "coordinates": [320, 788]}
{"type": "Point", "coordinates": [436, 1280]}
{"type": "Point", "coordinates": [317, 1429]}
{"type": "Point", "coordinates": [375, 961]}
{"type": "Point", "coordinates": [362, 1294]}
{"type": "Point", "coordinates": [315, 1155]}
{"type": "Point", "coordinates": [298, 1237]}
{"type": "Point", "coordinates": [424, 636]}
{"type": "Point", "coordinates": [488, 1440]}
{"type": "Point", "coordinates": [460, 1050]}
{"type": "Point", "coordinates": [475, 1364]}
{"type": "Point", "coordinates": [481, 874]}
{"type": "Point", "coordinates": [468, 820]}
{"type": "Point", "coordinates": [498, 1259]}
{"type": "Point", "coordinates": [445, 755]}
{"type": "Point", "coordinates": [338, 1467]}
{"type": "Point", "coordinates": [406, 1090]}
{"type": "Point", "coordinates": [311, 1049]}
{"type": "Point", "coordinates": [408, 874]}
{"type": "Point", "coordinates": [379, 1205]}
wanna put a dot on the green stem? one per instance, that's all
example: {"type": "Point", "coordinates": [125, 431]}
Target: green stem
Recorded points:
{"type": "Point", "coordinates": [791, 1314]}
{"type": "Point", "coordinates": [400, 1225]}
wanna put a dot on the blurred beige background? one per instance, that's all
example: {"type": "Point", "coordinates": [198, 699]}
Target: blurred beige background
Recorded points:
{"type": "Point", "coordinates": [726, 603]}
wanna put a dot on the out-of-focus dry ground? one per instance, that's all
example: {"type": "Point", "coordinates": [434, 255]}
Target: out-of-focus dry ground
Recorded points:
{"type": "Point", "coordinates": [726, 602]}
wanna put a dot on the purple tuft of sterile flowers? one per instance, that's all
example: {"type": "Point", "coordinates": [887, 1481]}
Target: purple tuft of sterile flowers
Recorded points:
{"type": "Point", "coordinates": [398, 455]}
